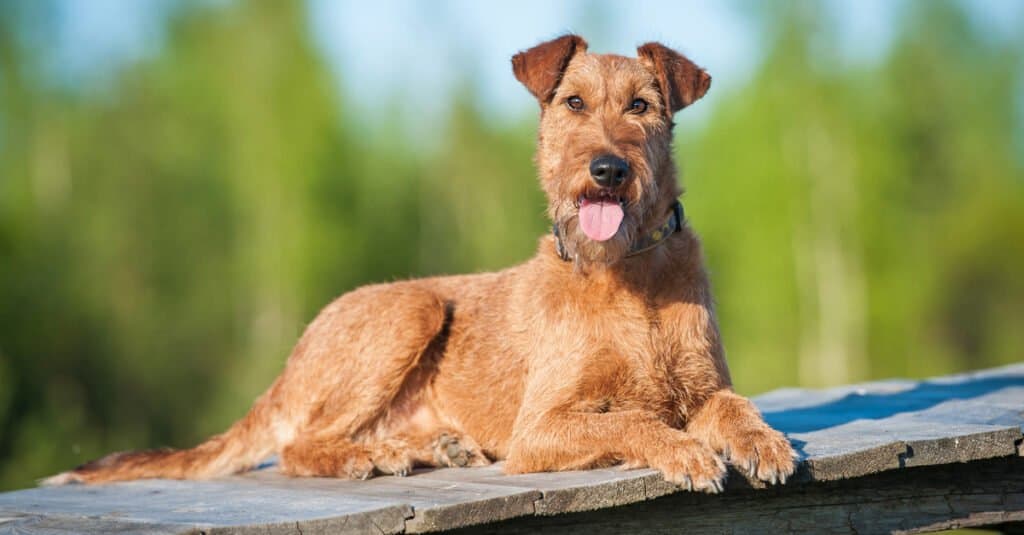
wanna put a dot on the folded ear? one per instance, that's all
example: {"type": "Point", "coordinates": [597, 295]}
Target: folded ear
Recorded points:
{"type": "Point", "coordinates": [540, 68]}
{"type": "Point", "coordinates": [682, 82]}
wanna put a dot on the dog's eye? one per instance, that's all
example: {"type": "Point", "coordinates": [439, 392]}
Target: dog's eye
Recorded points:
{"type": "Point", "coordinates": [575, 103]}
{"type": "Point", "coordinates": [638, 106]}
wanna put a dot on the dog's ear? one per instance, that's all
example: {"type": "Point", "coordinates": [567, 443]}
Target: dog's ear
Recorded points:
{"type": "Point", "coordinates": [540, 68]}
{"type": "Point", "coordinates": [682, 82]}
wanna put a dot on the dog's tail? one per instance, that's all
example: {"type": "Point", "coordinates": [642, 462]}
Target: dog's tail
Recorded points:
{"type": "Point", "coordinates": [247, 442]}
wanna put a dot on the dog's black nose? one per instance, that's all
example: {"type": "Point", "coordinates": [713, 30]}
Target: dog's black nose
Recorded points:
{"type": "Point", "coordinates": [609, 171]}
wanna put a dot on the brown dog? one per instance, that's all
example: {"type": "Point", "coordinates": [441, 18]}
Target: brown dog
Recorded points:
{"type": "Point", "coordinates": [601, 350]}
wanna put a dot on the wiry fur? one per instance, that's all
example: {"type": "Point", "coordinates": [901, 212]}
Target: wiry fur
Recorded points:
{"type": "Point", "coordinates": [551, 365]}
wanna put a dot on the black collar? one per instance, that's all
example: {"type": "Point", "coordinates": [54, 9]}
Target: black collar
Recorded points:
{"type": "Point", "coordinates": [673, 224]}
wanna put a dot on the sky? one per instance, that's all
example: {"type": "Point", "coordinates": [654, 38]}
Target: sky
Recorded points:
{"type": "Point", "coordinates": [423, 49]}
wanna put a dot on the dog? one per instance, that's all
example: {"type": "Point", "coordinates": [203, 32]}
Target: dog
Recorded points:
{"type": "Point", "coordinates": [603, 349]}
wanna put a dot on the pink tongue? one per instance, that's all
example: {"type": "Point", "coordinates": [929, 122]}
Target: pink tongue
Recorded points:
{"type": "Point", "coordinates": [600, 219]}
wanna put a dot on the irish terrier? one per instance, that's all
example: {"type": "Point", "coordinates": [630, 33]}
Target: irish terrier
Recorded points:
{"type": "Point", "coordinates": [602, 349]}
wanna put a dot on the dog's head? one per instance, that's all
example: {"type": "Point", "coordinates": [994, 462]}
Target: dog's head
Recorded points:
{"type": "Point", "coordinates": [604, 147]}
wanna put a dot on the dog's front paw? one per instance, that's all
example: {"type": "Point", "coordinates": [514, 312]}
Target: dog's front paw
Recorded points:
{"type": "Point", "coordinates": [763, 453]}
{"type": "Point", "coordinates": [691, 464]}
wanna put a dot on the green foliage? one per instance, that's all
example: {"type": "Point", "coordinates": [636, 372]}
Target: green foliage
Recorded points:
{"type": "Point", "coordinates": [865, 223]}
{"type": "Point", "coordinates": [163, 243]}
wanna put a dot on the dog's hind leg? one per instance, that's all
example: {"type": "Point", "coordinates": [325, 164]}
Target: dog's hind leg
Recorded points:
{"type": "Point", "coordinates": [359, 357]}
{"type": "Point", "coordinates": [340, 382]}
{"type": "Point", "coordinates": [442, 447]}
{"type": "Point", "coordinates": [340, 457]}
{"type": "Point", "coordinates": [453, 449]}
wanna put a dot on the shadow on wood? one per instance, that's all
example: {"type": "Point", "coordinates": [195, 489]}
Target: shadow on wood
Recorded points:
{"type": "Point", "coordinates": [861, 405]}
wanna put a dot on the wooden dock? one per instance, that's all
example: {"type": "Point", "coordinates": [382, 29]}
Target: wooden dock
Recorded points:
{"type": "Point", "coordinates": [881, 457]}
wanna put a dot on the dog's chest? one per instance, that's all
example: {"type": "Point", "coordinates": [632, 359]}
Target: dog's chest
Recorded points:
{"type": "Point", "coordinates": [626, 354]}
{"type": "Point", "coordinates": [614, 381]}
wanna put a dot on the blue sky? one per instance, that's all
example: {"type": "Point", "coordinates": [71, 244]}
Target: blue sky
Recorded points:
{"type": "Point", "coordinates": [422, 49]}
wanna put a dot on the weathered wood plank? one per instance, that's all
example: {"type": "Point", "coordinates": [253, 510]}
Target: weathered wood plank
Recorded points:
{"type": "Point", "coordinates": [914, 500]}
{"type": "Point", "coordinates": [436, 504]}
{"type": "Point", "coordinates": [244, 507]}
{"type": "Point", "coordinates": [18, 524]}
{"type": "Point", "coordinates": [562, 492]}
{"type": "Point", "coordinates": [867, 446]}
{"type": "Point", "coordinates": [858, 431]}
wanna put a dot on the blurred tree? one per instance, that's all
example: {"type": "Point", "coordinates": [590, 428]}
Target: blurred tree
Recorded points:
{"type": "Point", "coordinates": [482, 205]}
{"type": "Point", "coordinates": [176, 215]}
{"type": "Point", "coordinates": [951, 235]}
{"type": "Point", "coordinates": [865, 222]}
{"type": "Point", "coordinates": [53, 348]}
